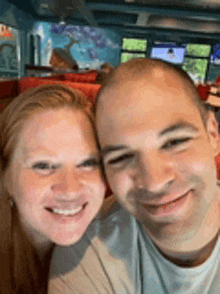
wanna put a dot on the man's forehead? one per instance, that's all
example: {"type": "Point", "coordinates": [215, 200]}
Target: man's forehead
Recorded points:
{"type": "Point", "coordinates": [147, 90]}
{"type": "Point", "coordinates": [136, 104]}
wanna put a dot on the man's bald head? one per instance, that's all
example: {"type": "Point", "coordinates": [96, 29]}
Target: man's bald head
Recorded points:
{"type": "Point", "coordinates": [150, 71]}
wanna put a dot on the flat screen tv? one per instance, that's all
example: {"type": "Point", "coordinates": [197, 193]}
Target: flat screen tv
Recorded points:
{"type": "Point", "coordinates": [171, 54]}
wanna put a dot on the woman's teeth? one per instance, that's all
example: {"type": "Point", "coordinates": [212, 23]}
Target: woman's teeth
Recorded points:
{"type": "Point", "coordinates": [67, 212]}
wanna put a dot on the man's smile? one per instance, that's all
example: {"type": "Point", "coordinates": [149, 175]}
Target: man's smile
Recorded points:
{"type": "Point", "coordinates": [168, 208]}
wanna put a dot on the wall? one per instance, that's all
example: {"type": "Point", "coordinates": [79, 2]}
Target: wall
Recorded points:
{"type": "Point", "coordinates": [91, 46]}
{"type": "Point", "coordinates": [12, 16]}
{"type": "Point", "coordinates": [8, 52]}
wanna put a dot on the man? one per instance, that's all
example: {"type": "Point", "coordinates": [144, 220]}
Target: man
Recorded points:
{"type": "Point", "coordinates": [159, 145]}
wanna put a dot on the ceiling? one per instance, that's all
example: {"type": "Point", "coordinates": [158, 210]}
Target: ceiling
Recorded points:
{"type": "Point", "coordinates": [173, 20]}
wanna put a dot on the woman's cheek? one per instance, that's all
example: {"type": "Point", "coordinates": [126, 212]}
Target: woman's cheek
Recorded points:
{"type": "Point", "coordinates": [30, 185]}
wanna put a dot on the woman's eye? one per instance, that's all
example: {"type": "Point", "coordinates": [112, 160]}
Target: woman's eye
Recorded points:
{"type": "Point", "coordinates": [121, 159]}
{"type": "Point", "coordinates": [176, 142]}
{"type": "Point", "coordinates": [44, 167]}
{"type": "Point", "coordinates": [90, 163]}
{"type": "Point", "coordinates": [41, 165]}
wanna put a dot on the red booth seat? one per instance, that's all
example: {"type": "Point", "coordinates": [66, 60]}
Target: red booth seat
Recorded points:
{"type": "Point", "coordinates": [89, 77]}
{"type": "Point", "coordinates": [90, 90]}
{"type": "Point", "coordinates": [59, 77]}
{"type": "Point", "coordinates": [11, 89]}
{"type": "Point", "coordinates": [218, 165]}
{"type": "Point", "coordinates": [8, 89]}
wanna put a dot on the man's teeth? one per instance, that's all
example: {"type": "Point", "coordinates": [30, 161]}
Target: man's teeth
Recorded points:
{"type": "Point", "coordinates": [67, 211]}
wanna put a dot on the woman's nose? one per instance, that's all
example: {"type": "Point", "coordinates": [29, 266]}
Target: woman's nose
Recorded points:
{"type": "Point", "coordinates": [67, 183]}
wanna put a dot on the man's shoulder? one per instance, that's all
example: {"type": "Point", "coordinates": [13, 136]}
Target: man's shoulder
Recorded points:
{"type": "Point", "coordinates": [112, 213]}
{"type": "Point", "coordinates": [109, 206]}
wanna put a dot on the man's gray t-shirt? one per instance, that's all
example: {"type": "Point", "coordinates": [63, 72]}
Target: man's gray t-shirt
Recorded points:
{"type": "Point", "coordinates": [116, 255]}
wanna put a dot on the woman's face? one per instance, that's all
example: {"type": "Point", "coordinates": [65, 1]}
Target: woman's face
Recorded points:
{"type": "Point", "coordinates": [56, 177]}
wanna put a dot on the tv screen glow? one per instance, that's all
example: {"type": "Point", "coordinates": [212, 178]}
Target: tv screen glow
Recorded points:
{"type": "Point", "coordinates": [170, 54]}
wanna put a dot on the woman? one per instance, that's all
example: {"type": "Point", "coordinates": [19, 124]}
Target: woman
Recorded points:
{"type": "Point", "coordinates": [51, 182]}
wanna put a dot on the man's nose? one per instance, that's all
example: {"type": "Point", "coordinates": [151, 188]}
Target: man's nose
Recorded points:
{"type": "Point", "coordinates": [157, 172]}
{"type": "Point", "coordinates": [67, 182]}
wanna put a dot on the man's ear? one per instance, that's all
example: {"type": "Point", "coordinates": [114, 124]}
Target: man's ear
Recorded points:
{"type": "Point", "coordinates": [212, 131]}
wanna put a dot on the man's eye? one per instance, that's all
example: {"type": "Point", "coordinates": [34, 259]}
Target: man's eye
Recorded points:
{"type": "Point", "coordinates": [175, 142]}
{"type": "Point", "coordinates": [121, 159]}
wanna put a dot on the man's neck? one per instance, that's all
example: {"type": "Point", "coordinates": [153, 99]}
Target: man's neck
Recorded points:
{"type": "Point", "coordinates": [192, 259]}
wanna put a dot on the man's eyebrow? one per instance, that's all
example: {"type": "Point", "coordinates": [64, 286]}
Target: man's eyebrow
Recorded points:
{"type": "Point", "coordinates": [109, 148]}
{"type": "Point", "coordinates": [180, 125]}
